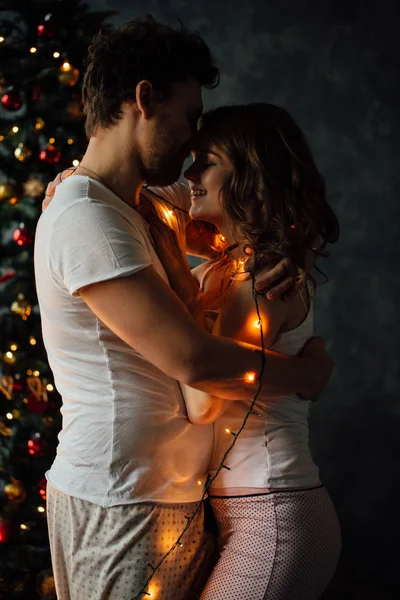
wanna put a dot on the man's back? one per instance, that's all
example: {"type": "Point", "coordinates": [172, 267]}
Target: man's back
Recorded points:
{"type": "Point", "coordinates": [125, 435]}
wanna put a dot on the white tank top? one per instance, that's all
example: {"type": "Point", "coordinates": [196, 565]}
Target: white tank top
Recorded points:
{"type": "Point", "coordinates": [272, 451]}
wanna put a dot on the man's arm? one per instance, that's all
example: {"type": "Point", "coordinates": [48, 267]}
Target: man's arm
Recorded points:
{"type": "Point", "coordinates": [143, 311]}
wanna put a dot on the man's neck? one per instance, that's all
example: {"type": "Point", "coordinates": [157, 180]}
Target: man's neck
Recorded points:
{"type": "Point", "coordinates": [107, 160]}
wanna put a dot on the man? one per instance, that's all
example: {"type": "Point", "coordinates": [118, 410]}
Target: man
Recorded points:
{"type": "Point", "coordinates": [128, 463]}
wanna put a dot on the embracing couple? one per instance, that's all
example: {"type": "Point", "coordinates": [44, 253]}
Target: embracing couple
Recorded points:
{"type": "Point", "coordinates": [158, 367]}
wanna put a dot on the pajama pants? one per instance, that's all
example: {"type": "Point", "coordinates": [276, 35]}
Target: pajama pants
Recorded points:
{"type": "Point", "coordinates": [103, 553]}
{"type": "Point", "coordinates": [276, 546]}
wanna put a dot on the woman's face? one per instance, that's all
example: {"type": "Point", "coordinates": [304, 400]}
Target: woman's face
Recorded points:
{"type": "Point", "coordinates": [206, 177]}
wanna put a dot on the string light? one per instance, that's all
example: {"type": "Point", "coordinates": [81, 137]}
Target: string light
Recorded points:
{"type": "Point", "coordinates": [36, 373]}
{"type": "Point", "coordinates": [41, 509]}
{"type": "Point", "coordinates": [56, 54]}
{"type": "Point", "coordinates": [1, 39]}
{"type": "Point", "coordinates": [13, 347]}
{"type": "Point", "coordinates": [15, 129]}
{"type": "Point", "coordinates": [9, 355]}
{"type": "Point", "coordinates": [51, 140]}
{"type": "Point", "coordinates": [1, 138]}
{"type": "Point", "coordinates": [66, 67]}
{"type": "Point", "coordinates": [75, 162]}
{"type": "Point", "coordinates": [32, 341]}
{"type": "Point", "coordinates": [257, 324]}
{"type": "Point", "coordinates": [70, 141]}
{"type": "Point", "coordinates": [23, 526]}
{"type": "Point", "coordinates": [33, 50]}
{"type": "Point", "coordinates": [9, 416]}
{"type": "Point", "coordinates": [249, 377]}
{"type": "Point", "coordinates": [49, 387]}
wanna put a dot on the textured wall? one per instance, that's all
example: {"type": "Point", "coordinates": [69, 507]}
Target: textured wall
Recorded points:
{"type": "Point", "coordinates": [334, 66]}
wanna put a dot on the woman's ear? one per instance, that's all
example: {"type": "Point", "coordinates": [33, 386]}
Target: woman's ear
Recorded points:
{"type": "Point", "coordinates": [145, 98]}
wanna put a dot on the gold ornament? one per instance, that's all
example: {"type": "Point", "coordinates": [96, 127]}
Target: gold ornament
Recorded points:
{"type": "Point", "coordinates": [7, 191]}
{"type": "Point", "coordinates": [39, 124]}
{"type": "Point", "coordinates": [15, 491]}
{"type": "Point", "coordinates": [21, 307]}
{"type": "Point", "coordinates": [7, 385]}
{"type": "Point", "coordinates": [22, 152]}
{"type": "Point", "coordinates": [4, 430]}
{"type": "Point", "coordinates": [68, 76]}
{"type": "Point", "coordinates": [74, 109]}
{"type": "Point", "coordinates": [33, 187]}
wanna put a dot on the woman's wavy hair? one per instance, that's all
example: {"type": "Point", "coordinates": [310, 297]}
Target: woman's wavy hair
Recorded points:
{"type": "Point", "coordinates": [275, 196]}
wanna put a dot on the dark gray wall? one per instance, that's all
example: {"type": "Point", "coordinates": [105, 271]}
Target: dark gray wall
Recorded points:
{"type": "Point", "coordinates": [334, 65]}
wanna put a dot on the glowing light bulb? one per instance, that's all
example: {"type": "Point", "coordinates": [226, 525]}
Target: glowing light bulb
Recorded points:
{"type": "Point", "coordinates": [75, 162]}
{"type": "Point", "coordinates": [257, 324]}
{"type": "Point", "coordinates": [56, 54]}
{"type": "Point", "coordinates": [250, 377]}
{"type": "Point", "coordinates": [66, 66]}
{"type": "Point", "coordinates": [1, 138]}
{"type": "Point", "coordinates": [33, 50]}
{"type": "Point", "coordinates": [36, 373]}
{"type": "Point", "coordinates": [227, 430]}
{"type": "Point", "coordinates": [1, 39]}
{"type": "Point", "coordinates": [199, 483]}
{"type": "Point", "coordinates": [70, 141]}
{"type": "Point", "coordinates": [170, 213]}
{"type": "Point", "coordinates": [41, 509]}
{"type": "Point", "coordinates": [23, 526]}
{"type": "Point", "coordinates": [9, 416]}
{"type": "Point", "coordinates": [49, 387]}
{"type": "Point", "coordinates": [32, 341]}
{"type": "Point", "coordinates": [9, 354]}
{"type": "Point", "coordinates": [13, 347]}
{"type": "Point", "coordinates": [15, 129]}
{"type": "Point", "coordinates": [51, 140]}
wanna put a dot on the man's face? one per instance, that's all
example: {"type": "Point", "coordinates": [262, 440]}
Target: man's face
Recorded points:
{"type": "Point", "coordinates": [166, 140]}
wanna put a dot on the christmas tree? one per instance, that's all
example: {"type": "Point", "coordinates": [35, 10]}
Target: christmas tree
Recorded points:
{"type": "Point", "coordinates": [42, 49]}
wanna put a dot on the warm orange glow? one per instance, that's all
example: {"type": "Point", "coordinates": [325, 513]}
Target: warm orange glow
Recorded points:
{"type": "Point", "coordinates": [257, 324]}
{"type": "Point", "coordinates": [227, 430]}
{"type": "Point", "coordinates": [56, 54]}
{"type": "Point", "coordinates": [250, 377]}
{"type": "Point", "coordinates": [66, 67]}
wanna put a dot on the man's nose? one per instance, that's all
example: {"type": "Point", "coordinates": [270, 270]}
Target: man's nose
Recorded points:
{"type": "Point", "coordinates": [190, 174]}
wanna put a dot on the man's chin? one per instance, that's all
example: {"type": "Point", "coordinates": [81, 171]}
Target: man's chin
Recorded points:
{"type": "Point", "coordinates": [162, 178]}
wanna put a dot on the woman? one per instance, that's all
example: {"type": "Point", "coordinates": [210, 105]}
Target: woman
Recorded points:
{"type": "Point", "coordinates": [254, 178]}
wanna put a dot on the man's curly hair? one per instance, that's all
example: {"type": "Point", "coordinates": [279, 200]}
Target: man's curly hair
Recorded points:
{"type": "Point", "coordinates": [141, 49]}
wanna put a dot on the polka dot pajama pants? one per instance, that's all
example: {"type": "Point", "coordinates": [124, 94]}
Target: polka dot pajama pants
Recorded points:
{"type": "Point", "coordinates": [103, 553]}
{"type": "Point", "coordinates": [276, 546]}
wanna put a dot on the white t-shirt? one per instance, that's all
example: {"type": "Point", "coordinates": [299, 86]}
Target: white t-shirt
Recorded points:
{"type": "Point", "coordinates": [125, 436]}
{"type": "Point", "coordinates": [273, 450]}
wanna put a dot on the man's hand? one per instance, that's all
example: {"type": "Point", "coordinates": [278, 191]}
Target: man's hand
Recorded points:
{"type": "Point", "coordinates": [277, 278]}
{"type": "Point", "coordinates": [51, 187]}
{"type": "Point", "coordinates": [315, 350]}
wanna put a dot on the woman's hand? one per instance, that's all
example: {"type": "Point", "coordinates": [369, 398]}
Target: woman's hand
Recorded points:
{"type": "Point", "coordinates": [174, 262]}
{"type": "Point", "coordinates": [51, 187]}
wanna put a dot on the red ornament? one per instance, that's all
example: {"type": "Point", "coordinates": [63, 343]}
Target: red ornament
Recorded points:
{"type": "Point", "coordinates": [22, 236]}
{"type": "Point", "coordinates": [5, 531]}
{"type": "Point", "coordinates": [36, 446]}
{"type": "Point", "coordinates": [45, 31]}
{"type": "Point", "coordinates": [7, 276]}
{"type": "Point", "coordinates": [38, 407]}
{"type": "Point", "coordinates": [50, 155]}
{"type": "Point", "coordinates": [42, 487]}
{"type": "Point", "coordinates": [11, 100]}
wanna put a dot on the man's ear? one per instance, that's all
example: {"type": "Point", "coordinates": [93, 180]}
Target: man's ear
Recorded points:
{"type": "Point", "coordinates": [145, 98]}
